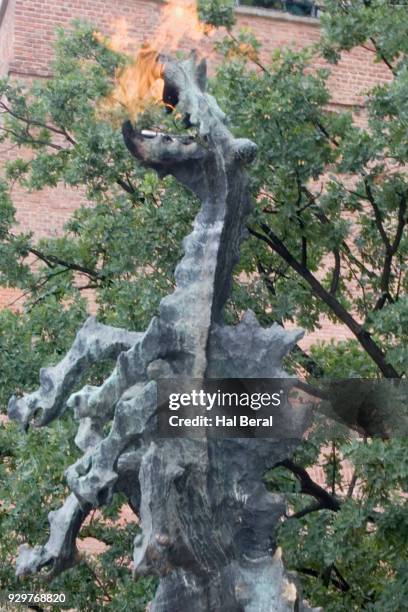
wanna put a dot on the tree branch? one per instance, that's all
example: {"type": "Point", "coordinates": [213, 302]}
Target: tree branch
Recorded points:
{"type": "Point", "coordinates": [325, 500]}
{"type": "Point", "coordinates": [352, 484]}
{"type": "Point", "coordinates": [382, 56]}
{"type": "Point", "coordinates": [341, 586]}
{"type": "Point", "coordinates": [310, 365]}
{"type": "Point", "coordinates": [28, 121]}
{"type": "Point", "coordinates": [377, 215]}
{"type": "Point", "coordinates": [126, 186]}
{"type": "Point", "coordinates": [391, 249]}
{"type": "Point", "coordinates": [304, 251]}
{"type": "Point", "coordinates": [325, 221]}
{"type": "Point", "coordinates": [308, 510]}
{"type": "Point", "coordinates": [402, 220]}
{"type": "Point", "coordinates": [52, 260]}
{"type": "Point", "coordinates": [336, 272]}
{"type": "Point", "coordinates": [252, 57]}
{"type": "Point", "coordinates": [310, 487]}
{"type": "Point", "coordinates": [334, 459]}
{"type": "Point", "coordinates": [31, 140]}
{"type": "Point", "coordinates": [324, 131]}
{"type": "Point", "coordinates": [363, 336]}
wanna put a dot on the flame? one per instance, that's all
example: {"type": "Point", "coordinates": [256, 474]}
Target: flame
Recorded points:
{"type": "Point", "coordinates": [137, 85]}
{"type": "Point", "coordinates": [179, 20]}
{"type": "Point", "coordinates": [120, 40]}
{"type": "Point", "coordinates": [140, 84]}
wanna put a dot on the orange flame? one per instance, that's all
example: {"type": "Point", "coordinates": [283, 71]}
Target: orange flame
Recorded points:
{"type": "Point", "coordinates": [137, 85]}
{"type": "Point", "coordinates": [140, 84]}
{"type": "Point", "coordinates": [179, 20]}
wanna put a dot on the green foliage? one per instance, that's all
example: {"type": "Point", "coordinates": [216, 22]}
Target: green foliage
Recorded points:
{"type": "Point", "coordinates": [381, 23]}
{"type": "Point", "coordinates": [343, 359]}
{"type": "Point", "coordinates": [106, 247]}
{"type": "Point", "coordinates": [218, 13]}
{"type": "Point", "coordinates": [357, 557]}
{"type": "Point", "coordinates": [331, 189]}
{"type": "Point", "coordinates": [328, 186]}
{"type": "Point", "coordinates": [31, 340]}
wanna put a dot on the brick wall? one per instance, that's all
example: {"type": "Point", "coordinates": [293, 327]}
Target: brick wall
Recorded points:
{"type": "Point", "coordinates": [6, 34]}
{"type": "Point", "coordinates": [27, 31]}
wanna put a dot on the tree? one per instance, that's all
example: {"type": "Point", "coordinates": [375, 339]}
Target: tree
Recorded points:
{"type": "Point", "coordinates": [328, 237]}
